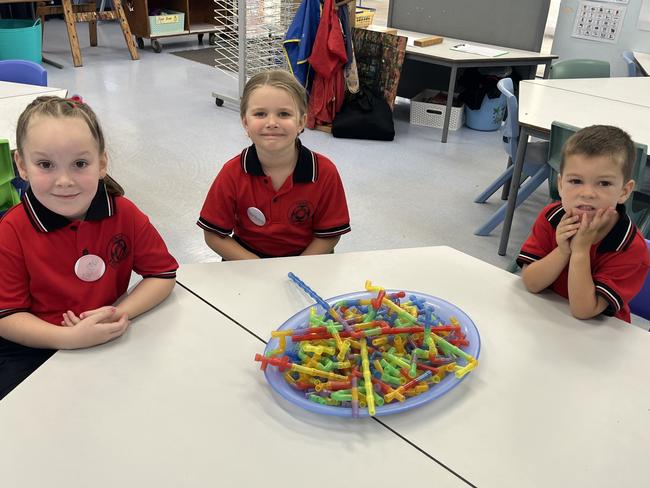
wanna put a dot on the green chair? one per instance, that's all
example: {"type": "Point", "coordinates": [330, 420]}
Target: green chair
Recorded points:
{"type": "Point", "coordinates": [579, 68]}
{"type": "Point", "coordinates": [8, 193]}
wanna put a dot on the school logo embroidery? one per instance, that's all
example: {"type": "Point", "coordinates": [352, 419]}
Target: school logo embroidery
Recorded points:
{"type": "Point", "coordinates": [118, 249]}
{"type": "Point", "coordinates": [300, 213]}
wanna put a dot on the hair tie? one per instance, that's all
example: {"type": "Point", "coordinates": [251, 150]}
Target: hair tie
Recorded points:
{"type": "Point", "coordinates": [76, 100]}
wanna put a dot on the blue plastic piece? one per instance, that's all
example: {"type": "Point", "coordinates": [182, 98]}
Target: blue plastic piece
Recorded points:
{"type": "Point", "coordinates": [444, 310]}
{"type": "Point", "coordinates": [640, 305]}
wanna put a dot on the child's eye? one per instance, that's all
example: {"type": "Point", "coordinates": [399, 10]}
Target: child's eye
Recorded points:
{"type": "Point", "coordinates": [575, 181]}
{"type": "Point", "coordinates": [259, 114]}
{"type": "Point", "coordinates": [45, 164]}
{"type": "Point", "coordinates": [286, 114]}
{"type": "Point", "coordinates": [81, 164]}
{"type": "Point", "coordinates": [605, 183]}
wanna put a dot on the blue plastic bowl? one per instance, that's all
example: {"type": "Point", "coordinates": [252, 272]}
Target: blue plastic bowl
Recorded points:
{"type": "Point", "coordinates": [443, 310]}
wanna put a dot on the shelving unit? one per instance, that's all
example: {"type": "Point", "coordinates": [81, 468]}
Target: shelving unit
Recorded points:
{"type": "Point", "coordinates": [199, 19]}
{"type": "Point", "coordinates": [251, 38]}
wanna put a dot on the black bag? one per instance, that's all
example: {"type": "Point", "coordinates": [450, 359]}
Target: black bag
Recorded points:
{"type": "Point", "coordinates": [364, 115]}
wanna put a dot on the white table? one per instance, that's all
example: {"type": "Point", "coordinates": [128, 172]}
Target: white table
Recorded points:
{"type": "Point", "coordinates": [633, 90]}
{"type": "Point", "coordinates": [442, 54]}
{"type": "Point", "coordinates": [554, 401]}
{"type": "Point", "coordinates": [179, 402]}
{"type": "Point", "coordinates": [541, 103]}
{"type": "Point", "coordinates": [14, 97]}
{"type": "Point", "coordinates": [643, 59]}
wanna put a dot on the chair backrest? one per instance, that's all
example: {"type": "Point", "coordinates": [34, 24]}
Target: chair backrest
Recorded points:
{"type": "Point", "coordinates": [579, 68]}
{"type": "Point", "coordinates": [560, 133]}
{"type": "Point", "coordinates": [23, 71]}
{"type": "Point", "coordinates": [640, 305]}
{"type": "Point", "coordinates": [8, 194]}
{"type": "Point", "coordinates": [628, 56]}
{"type": "Point", "coordinates": [510, 127]}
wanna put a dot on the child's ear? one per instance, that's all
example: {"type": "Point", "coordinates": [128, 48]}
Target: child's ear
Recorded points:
{"type": "Point", "coordinates": [302, 121]}
{"type": "Point", "coordinates": [626, 191]}
{"type": "Point", "coordinates": [103, 164]}
{"type": "Point", "coordinates": [20, 164]}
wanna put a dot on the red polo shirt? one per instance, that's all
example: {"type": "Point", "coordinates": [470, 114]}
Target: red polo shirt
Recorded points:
{"type": "Point", "coordinates": [39, 249]}
{"type": "Point", "coordinates": [311, 203]}
{"type": "Point", "coordinates": [619, 263]}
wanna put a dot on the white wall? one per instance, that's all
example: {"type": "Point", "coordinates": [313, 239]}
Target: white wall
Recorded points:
{"type": "Point", "coordinates": [631, 38]}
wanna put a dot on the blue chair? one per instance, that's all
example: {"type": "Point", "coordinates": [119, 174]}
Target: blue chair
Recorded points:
{"type": "Point", "coordinates": [579, 68]}
{"type": "Point", "coordinates": [534, 172]}
{"type": "Point", "coordinates": [628, 56]}
{"type": "Point", "coordinates": [640, 305]}
{"type": "Point", "coordinates": [23, 71]}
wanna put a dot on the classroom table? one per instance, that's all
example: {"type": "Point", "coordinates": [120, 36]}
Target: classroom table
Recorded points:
{"type": "Point", "coordinates": [554, 401]}
{"type": "Point", "coordinates": [633, 90]}
{"type": "Point", "coordinates": [179, 402]}
{"type": "Point", "coordinates": [643, 60]}
{"type": "Point", "coordinates": [14, 97]}
{"type": "Point", "coordinates": [442, 54]}
{"type": "Point", "coordinates": [541, 102]}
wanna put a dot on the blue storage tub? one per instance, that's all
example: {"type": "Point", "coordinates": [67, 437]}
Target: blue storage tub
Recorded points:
{"type": "Point", "coordinates": [489, 116]}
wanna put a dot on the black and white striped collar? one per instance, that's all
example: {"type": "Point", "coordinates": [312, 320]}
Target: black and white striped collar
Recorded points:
{"type": "Point", "coordinates": [618, 239]}
{"type": "Point", "coordinates": [306, 170]}
{"type": "Point", "coordinates": [45, 220]}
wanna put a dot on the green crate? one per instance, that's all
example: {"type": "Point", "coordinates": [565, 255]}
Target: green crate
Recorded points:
{"type": "Point", "coordinates": [169, 22]}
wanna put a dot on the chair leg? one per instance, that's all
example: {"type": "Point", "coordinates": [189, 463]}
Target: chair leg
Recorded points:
{"type": "Point", "coordinates": [503, 180]}
{"type": "Point", "coordinates": [494, 186]}
{"type": "Point", "coordinates": [506, 187]}
{"type": "Point", "coordinates": [524, 192]}
{"type": "Point", "coordinates": [92, 32]}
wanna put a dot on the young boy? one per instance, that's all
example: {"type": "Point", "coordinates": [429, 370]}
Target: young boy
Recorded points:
{"type": "Point", "coordinates": [585, 247]}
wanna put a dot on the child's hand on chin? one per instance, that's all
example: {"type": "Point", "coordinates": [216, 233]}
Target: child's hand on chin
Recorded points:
{"type": "Point", "coordinates": [593, 228]}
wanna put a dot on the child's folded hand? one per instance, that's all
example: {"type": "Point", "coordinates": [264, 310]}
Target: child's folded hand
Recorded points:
{"type": "Point", "coordinates": [96, 328]}
{"type": "Point", "coordinates": [566, 229]}
{"type": "Point", "coordinates": [70, 319]}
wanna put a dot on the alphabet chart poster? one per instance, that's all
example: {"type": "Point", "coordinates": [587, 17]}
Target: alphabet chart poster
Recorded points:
{"type": "Point", "coordinates": [596, 21]}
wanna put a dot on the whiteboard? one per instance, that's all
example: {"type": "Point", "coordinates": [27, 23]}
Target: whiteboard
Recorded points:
{"type": "Point", "coordinates": [517, 24]}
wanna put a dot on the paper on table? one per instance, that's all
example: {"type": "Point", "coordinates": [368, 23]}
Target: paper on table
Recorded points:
{"type": "Point", "coordinates": [480, 50]}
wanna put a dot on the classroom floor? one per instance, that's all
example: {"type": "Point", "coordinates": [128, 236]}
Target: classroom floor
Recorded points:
{"type": "Point", "coordinates": [167, 140]}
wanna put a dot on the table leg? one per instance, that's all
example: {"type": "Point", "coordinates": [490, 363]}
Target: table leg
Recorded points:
{"type": "Point", "coordinates": [514, 190]}
{"type": "Point", "coordinates": [450, 101]}
{"type": "Point", "coordinates": [72, 32]}
{"type": "Point", "coordinates": [547, 69]}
